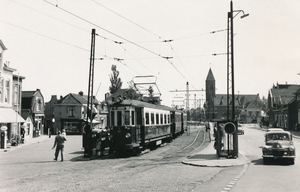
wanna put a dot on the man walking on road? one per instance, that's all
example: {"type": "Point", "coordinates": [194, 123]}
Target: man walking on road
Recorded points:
{"type": "Point", "coordinates": [59, 143]}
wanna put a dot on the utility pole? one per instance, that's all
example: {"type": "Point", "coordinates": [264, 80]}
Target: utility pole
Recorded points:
{"type": "Point", "coordinates": [89, 118]}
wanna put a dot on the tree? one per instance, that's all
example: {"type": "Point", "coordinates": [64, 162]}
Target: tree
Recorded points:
{"type": "Point", "coordinates": [115, 81]}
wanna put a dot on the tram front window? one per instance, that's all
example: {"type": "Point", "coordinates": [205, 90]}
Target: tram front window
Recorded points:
{"type": "Point", "coordinates": [127, 118]}
{"type": "Point", "coordinates": [119, 118]}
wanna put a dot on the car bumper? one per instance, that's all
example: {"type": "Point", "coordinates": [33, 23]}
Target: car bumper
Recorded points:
{"type": "Point", "coordinates": [279, 157]}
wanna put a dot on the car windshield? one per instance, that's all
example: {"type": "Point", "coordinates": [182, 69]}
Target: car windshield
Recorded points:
{"type": "Point", "coordinates": [278, 136]}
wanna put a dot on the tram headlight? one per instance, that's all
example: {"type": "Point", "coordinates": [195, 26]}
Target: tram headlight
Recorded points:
{"type": "Point", "coordinates": [127, 135]}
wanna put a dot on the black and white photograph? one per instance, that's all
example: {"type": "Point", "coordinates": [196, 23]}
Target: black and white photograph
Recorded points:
{"type": "Point", "coordinates": [139, 95]}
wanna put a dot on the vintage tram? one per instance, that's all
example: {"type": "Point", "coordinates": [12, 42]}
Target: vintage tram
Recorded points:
{"type": "Point", "coordinates": [136, 125]}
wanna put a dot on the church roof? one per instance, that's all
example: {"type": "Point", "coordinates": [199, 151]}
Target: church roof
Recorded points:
{"type": "Point", "coordinates": [210, 76]}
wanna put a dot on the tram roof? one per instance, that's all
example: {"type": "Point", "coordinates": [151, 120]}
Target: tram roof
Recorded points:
{"type": "Point", "coordinates": [137, 103]}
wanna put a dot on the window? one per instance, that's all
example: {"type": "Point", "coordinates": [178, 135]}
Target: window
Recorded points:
{"type": "Point", "coordinates": [71, 109]}
{"type": "Point", "coordinates": [7, 91]}
{"type": "Point", "coordinates": [119, 118]}
{"type": "Point", "coordinates": [16, 94]}
{"type": "Point", "coordinates": [157, 118]}
{"type": "Point", "coordinates": [147, 118]}
{"type": "Point", "coordinates": [1, 88]}
{"type": "Point", "coordinates": [112, 118]}
{"type": "Point", "coordinates": [168, 118]}
{"type": "Point", "coordinates": [127, 117]}
{"type": "Point", "coordinates": [165, 118]}
{"type": "Point", "coordinates": [132, 118]}
{"type": "Point", "coordinates": [161, 119]}
{"type": "Point", "coordinates": [39, 106]}
{"type": "Point", "coordinates": [152, 118]}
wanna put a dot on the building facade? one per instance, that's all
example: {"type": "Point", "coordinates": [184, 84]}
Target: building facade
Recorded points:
{"type": "Point", "coordinates": [247, 107]}
{"type": "Point", "coordinates": [283, 106]}
{"type": "Point", "coordinates": [70, 113]}
{"type": "Point", "coordinates": [33, 107]}
{"type": "Point", "coordinates": [10, 97]}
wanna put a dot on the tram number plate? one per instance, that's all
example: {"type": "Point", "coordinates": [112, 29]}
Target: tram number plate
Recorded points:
{"type": "Point", "coordinates": [158, 142]}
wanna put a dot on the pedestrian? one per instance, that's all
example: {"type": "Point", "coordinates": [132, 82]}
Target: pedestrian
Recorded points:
{"type": "Point", "coordinates": [59, 143]}
{"type": "Point", "coordinates": [64, 133]}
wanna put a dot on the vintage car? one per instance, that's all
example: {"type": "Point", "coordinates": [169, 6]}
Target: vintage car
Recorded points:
{"type": "Point", "coordinates": [241, 130]}
{"type": "Point", "coordinates": [279, 145]}
{"type": "Point", "coordinates": [274, 129]}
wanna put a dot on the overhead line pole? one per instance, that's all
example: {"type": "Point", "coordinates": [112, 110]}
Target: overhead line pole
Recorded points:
{"type": "Point", "coordinates": [89, 118]}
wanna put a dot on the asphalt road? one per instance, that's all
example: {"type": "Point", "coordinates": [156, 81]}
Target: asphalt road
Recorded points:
{"type": "Point", "coordinates": [276, 176]}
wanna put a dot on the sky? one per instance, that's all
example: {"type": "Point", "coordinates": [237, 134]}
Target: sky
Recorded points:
{"type": "Point", "coordinates": [49, 43]}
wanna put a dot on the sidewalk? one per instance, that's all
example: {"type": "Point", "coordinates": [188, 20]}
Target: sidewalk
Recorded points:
{"type": "Point", "coordinates": [28, 141]}
{"type": "Point", "coordinates": [208, 158]}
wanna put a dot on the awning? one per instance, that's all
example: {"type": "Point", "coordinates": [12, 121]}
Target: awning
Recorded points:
{"type": "Point", "coordinates": [8, 115]}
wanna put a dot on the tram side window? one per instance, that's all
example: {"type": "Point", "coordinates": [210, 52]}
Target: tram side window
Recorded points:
{"type": "Point", "coordinates": [161, 119]}
{"type": "Point", "coordinates": [132, 118]}
{"type": "Point", "coordinates": [119, 118]}
{"type": "Point", "coordinates": [127, 117]}
{"type": "Point", "coordinates": [168, 118]}
{"type": "Point", "coordinates": [152, 118]}
{"type": "Point", "coordinates": [147, 118]}
{"type": "Point", "coordinates": [113, 118]}
{"type": "Point", "coordinates": [157, 118]}
{"type": "Point", "coordinates": [165, 117]}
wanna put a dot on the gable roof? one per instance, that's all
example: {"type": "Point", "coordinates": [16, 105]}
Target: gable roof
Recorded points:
{"type": "Point", "coordinates": [73, 98]}
{"type": "Point", "coordinates": [240, 100]}
{"type": "Point", "coordinates": [252, 105]}
{"type": "Point", "coordinates": [2, 45]}
{"type": "Point", "coordinates": [284, 94]}
{"type": "Point", "coordinates": [25, 113]}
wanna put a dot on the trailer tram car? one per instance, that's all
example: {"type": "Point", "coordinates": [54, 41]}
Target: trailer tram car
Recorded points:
{"type": "Point", "coordinates": [137, 125]}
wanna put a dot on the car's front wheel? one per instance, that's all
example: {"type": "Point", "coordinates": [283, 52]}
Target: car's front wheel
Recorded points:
{"type": "Point", "coordinates": [266, 160]}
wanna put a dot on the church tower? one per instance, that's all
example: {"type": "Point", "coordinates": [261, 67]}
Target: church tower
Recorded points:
{"type": "Point", "coordinates": [210, 89]}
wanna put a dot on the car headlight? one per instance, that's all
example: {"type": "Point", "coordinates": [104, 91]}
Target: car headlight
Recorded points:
{"type": "Point", "coordinates": [291, 148]}
{"type": "Point", "coordinates": [127, 135]}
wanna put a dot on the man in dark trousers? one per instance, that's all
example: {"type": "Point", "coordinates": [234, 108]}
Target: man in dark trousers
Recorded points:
{"type": "Point", "coordinates": [59, 143]}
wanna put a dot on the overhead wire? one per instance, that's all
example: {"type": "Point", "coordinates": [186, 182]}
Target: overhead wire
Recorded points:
{"type": "Point", "coordinates": [125, 18]}
{"type": "Point", "coordinates": [107, 38]}
{"type": "Point", "coordinates": [182, 63]}
{"type": "Point", "coordinates": [81, 18]}
{"type": "Point", "coordinates": [45, 36]}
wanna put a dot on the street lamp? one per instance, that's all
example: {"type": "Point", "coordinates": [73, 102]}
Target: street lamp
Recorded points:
{"type": "Point", "coordinates": [230, 78]}
{"type": "Point", "coordinates": [230, 57]}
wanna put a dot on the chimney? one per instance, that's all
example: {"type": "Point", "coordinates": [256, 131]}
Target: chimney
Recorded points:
{"type": "Point", "coordinates": [80, 93]}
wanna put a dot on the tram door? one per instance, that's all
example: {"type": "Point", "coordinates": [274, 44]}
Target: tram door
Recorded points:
{"type": "Point", "coordinates": [140, 124]}
{"type": "Point", "coordinates": [173, 124]}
